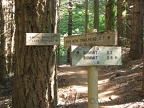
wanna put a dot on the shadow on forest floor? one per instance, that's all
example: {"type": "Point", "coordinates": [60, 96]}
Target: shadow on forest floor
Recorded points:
{"type": "Point", "coordinates": [118, 86]}
{"type": "Point", "coordinates": [6, 93]}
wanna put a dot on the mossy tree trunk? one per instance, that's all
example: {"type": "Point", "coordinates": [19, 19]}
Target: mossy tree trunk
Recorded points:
{"type": "Point", "coordinates": [35, 65]}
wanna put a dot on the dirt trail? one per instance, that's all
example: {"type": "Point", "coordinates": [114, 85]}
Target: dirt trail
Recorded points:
{"type": "Point", "coordinates": [118, 86]}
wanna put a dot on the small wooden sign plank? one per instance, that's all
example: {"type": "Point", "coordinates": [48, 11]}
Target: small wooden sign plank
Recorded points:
{"type": "Point", "coordinates": [96, 55]}
{"type": "Point", "coordinates": [92, 39]}
{"type": "Point", "coordinates": [35, 39]}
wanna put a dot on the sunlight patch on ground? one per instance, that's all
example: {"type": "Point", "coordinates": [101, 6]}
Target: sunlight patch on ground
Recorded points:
{"type": "Point", "coordinates": [107, 99]}
{"type": "Point", "coordinates": [73, 94]}
{"type": "Point", "coordinates": [80, 88]}
{"type": "Point", "coordinates": [104, 100]}
{"type": "Point", "coordinates": [68, 73]}
{"type": "Point", "coordinates": [106, 92]}
{"type": "Point", "coordinates": [65, 65]}
{"type": "Point", "coordinates": [7, 103]}
{"type": "Point", "coordinates": [136, 66]}
{"type": "Point", "coordinates": [127, 105]}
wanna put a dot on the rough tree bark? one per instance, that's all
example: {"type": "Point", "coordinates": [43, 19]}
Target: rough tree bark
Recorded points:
{"type": "Point", "coordinates": [8, 31]}
{"type": "Point", "coordinates": [69, 28]}
{"type": "Point", "coordinates": [35, 65]}
{"type": "Point", "coordinates": [2, 47]}
{"type": "Point", "coordinates": [120, 21]}
{"type": "Point", "coordinates": [129, 18]}
{"type": "Point", "coordinates": [110, 14]}
{"type": "Point", "coordinates": [136, 45]}
{"type": "Point", "coordinates": [96, 14]}
{"type": "Point", "coordinates": [86, 16]}
{"type": "Point", "coordinates": [142, 90]}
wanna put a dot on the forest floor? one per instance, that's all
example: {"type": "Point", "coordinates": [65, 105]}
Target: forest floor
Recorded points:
{"type": "Point", "coordinates": [118, 86]}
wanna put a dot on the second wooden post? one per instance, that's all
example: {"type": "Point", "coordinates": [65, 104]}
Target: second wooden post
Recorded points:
{"type": "Point", "coordinates": [92, 87]}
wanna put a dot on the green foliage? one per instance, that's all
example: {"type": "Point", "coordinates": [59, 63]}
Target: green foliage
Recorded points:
{"type": "Point", "coordinates": [78, 11]}
{"type": "Point", "coordinates": [78, 21]}
{"type": "Point", "coordinates": [78, 18]}
{"type": "Point", "coordinates": [62, 50]}
{"type": "Point", "coordinates": [102, 23]}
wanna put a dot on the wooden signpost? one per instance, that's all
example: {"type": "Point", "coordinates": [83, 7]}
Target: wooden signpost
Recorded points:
{"type": "Point", "coordinates": [94, 49]}
{"type": "Point", "coordinates": [96, 55]}
{"type": "Point", "coordinates": [36, 39]}
{"type": "Point", "coordinates": [91, 39]}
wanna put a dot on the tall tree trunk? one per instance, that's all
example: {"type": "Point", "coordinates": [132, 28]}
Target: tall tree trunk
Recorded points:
{"type": "Point", "coordinates": [2, 46]}
{"type": "Point", "coordinates": [120, 21]}
{"type": "Point", "coordinates": [9, 29]}
{"type": "Point", "coordinates": [12, 39]}
{"type": "Point", "coordinates": [69, 28]}
{"type": "Point", "coordinates": [142, 92]}
{"type": "Point", "coordinates": [142, 89]}
{"type": "Point", "coordinates": [35, 64]}
{"type": "Point", "coordinates": [136, 45]}
{"type": "Point", "coordinates": [129, 18]}
{"type": "Point", "coordinates": [110, 20]}
{"type": "Point", "coordinates": [96, 14]}
{"type": "Point", "coordinates": [86, 16]}
{"type": "Point", "coordinates": [58, 30]}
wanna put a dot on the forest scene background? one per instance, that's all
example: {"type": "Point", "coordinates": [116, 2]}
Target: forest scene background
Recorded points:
{"type": "Point", "coordinates": [123, 16]}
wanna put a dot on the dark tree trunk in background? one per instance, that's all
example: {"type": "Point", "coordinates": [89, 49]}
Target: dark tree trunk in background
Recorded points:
{"type": "Point", "coordinates": [110, 20]}
{"type": "Point", "coordinates": [69, 28]}
{"type": "Point", "coordinates": [35, 65]}
{"type": "Point", "coordinates": [129, 18]}
{"type": "Point", "coordinates": [136, 45]}
{"type": "Point", "coordinates": [96, 14]}
{"type": "Point", "coordinates": [142, 92]}
{"type": "Point", "coordinates": [120, 21]}
{"type": "Point", "coordinates": [70, 18]}
{"type": "Point", "coordinates": [86, 16]}
{"type": "Point", "coordinates": [2, 47]}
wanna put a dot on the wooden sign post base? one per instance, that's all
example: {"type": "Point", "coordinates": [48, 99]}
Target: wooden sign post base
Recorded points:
{"type": "Point", "coordinates": [86, 55]}
{"type": "Point", "coordinates": [92, 87]}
